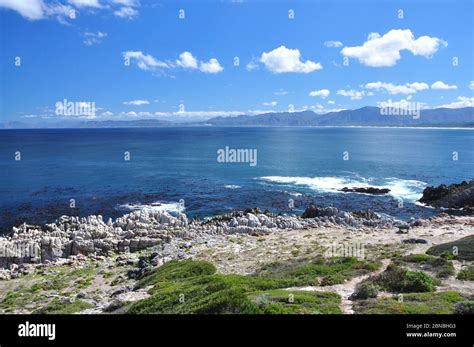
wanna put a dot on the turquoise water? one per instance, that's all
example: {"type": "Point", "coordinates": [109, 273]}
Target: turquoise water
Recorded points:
{"type": "Point", "coordinates": [168, 164]}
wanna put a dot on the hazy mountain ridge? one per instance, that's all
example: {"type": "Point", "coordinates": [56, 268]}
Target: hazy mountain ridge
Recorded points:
{"type": "Point", "coordinates": [366, 116]}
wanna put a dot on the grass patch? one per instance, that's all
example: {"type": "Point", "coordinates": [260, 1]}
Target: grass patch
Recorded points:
{"type": "Point", "coordinates": [62, 277]}
{"type": "Point", "coordinates": [319, 271]}
{"type": "Point", "coordinates": [419, 303]}
{"type": "Point", "coordinates": [441, 267]}
{"type": "Point", "coordinates": [194, 287]}
{"type": "Point", "coordinates": [464, 248]}
{"type": "Point", "coordinates": [57, 306]}
{"type": "Point", "coordinates": [31, 291]}
{"type": "Point", "coordinates": [296, 302]}
{"type": "Point", "coordinates": [17, 299]}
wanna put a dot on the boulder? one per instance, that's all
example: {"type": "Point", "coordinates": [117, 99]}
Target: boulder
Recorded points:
{"type": "Point", "coordinates": [366, 190]}
{"type": "Point", "coordinates": [313, 211]}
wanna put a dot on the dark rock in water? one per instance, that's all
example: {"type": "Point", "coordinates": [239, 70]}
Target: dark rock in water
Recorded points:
{"type": "Point", "coordinates": [368, 190]}
{"type": "Point", "coordinates": [450, 196]}
{"type": "Point", "coordinates": [313, 211]}
{"type": "Point", "coordinates": [415, 241]}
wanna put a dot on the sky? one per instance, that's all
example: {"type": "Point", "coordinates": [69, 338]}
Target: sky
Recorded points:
{"type": "Point", "coordinates": [193, 60]}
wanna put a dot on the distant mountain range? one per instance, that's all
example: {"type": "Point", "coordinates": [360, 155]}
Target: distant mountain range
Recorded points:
{"type": "Point", "coordinates": [366, 116]}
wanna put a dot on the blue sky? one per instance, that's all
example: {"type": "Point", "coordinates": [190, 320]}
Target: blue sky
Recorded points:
{"type": "Point", "coordinates": [190, 61]}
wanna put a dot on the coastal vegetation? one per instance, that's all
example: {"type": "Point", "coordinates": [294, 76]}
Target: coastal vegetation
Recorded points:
{"type": "Point", "coordinates": [195, 287]}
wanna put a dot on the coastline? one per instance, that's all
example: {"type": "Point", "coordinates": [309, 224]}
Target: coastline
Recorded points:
{"type": "Point", "coordinates": [106, 262]}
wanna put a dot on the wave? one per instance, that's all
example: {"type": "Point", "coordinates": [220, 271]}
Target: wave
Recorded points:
{"type": "Point", "coordinates": [410, 190]}
{"type": "Point", "coordinates": [172, 207]}
{"type": "Point", "coordinates": [293, 193]}
{"type": "Point", "coordinates": [232, 186]}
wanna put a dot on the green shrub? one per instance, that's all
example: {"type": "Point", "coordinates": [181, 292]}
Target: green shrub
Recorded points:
{"type": "Point", "coordinates": [465, 249]}
{"type": "Point", "coordinates": [194, 287]}
{"type": "Point", "coordinates": [441, 266]}
{"type": "Point", "coordinates": [466, 274]}
{"type": "Point", "coordinates": [332, 279]}
{"type": "Point", "coordinates": [365, 290]}
{"type": "Point", "coordinates": [416, 303]}
{"type": "Point", "coordinates": [398, 280]}
{"type": "Point", "coordinates": [464, 307]}
{"type": "Point", "coordinates": [60, 306]}
{"type": "Point", "coordinates": [417, 281]}
{"type": "Point", "coordinates": [296, 302]}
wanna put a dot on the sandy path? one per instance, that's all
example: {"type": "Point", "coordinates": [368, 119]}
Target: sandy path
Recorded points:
{"type": "Point", "coordinates": [344, 290]}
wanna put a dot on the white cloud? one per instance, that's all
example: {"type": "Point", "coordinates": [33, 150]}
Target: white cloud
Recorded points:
{"type": "Point", "coordinates": [212, 66]}
{"type": "Point", "coordinates": [320, 109]}
{"type": "Point", "coordinates": [91, 38]}
{"type": "Point", "coordinates": [186, 60]}
{"type": "Point", "coordinates": [85, 3]}
{"type": "Point", "coordinates": [30, 9]}
{"type": "Point", "coordinates": [62, 10]}
{"type": "Point", "coordinates": [323, 93]}
{"type": "Point", "coordinates": [280, 92]}
{"type": "Point", "coordinates": [471, 85]}
{"type": "Point", "coordinates": [207, 113]}
{"type": "Point", "coordinates": [144, 114]}
{"type": "Point", "coordinates": [282, 60]}
{"type": "Point", "coordinates": [353, 94]}
{"type": "Point", "coordinates": [37, 9]}
{"type": "Point", "coordinates": [461, 101]}
{"type": "Point", "coordinates": [130, 3]}
{"type": "Point", "coordinates": [136, 102]}
{"type": "Point", "coordinates": [271, 103]}
{"type": "Point", "coordinates": [331, 102]}
{"type": "Point", "coordinates": [384, 50]}
{"type": "Point", "coordinates": [408, 88]}
{"type": "Point", "coordinates": [333, 44]}
{"type": "Point", "coordinates": [126, 12]}
{"type": "Point", "coordinates": [442, 85]}
{"type": "Point", "coordinates": [252, 65]}
{"type": "Point", "coordinates": [144, 61]}
{"type": "Point", "coordinates": [107, 114]}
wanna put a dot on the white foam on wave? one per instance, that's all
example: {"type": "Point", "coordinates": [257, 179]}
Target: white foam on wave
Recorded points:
{"type": "Point", "coordinates": [293, 193]}
{"type": "Point", "coordinates": [232, 186]}
{"type": "Point", "coordinates": [410, 190]}
{"type": "Point", "coordinates": [172, 207]}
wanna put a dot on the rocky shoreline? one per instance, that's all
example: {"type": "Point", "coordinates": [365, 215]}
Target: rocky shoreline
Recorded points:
{"type": "Point", "coordinates": [139, 230]}
{"type": "Point", "coordinates": [105, 261]}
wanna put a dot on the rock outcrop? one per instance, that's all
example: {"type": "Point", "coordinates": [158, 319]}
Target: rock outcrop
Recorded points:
{"type": "Point", "coordinates": [73, 235]}
{"type": "Point", "coordinates": [92, 236]}
{"type": "Point", "coordinates": [450, 196]}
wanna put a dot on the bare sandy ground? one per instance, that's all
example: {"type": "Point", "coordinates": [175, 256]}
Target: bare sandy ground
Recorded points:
{"type": "Point", "coordinates": [246, 254]}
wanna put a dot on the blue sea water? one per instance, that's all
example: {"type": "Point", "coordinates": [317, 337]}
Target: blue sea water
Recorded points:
{"type": "Point", "coordinates": [168, 164]}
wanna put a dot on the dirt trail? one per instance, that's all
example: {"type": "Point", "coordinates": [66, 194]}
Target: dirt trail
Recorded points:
{"type": "Point", "coordinates": [344, 289]}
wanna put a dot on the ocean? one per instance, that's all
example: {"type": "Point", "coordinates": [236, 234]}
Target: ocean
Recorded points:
{"type": "Point", "coordinates": [114, 171]}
